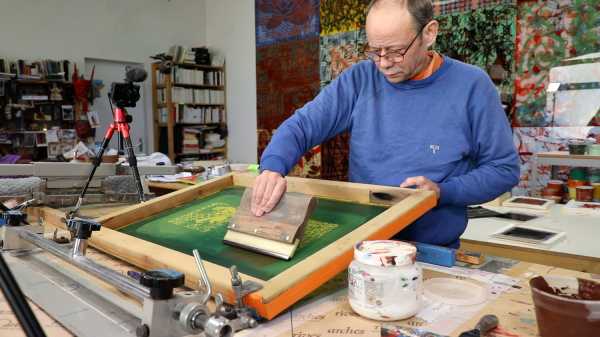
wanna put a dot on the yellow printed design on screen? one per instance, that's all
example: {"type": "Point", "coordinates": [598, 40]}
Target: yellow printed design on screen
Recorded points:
{"type": "Point", "coordinates": [316, 229]}
{"type": "Point", "coordinates": [206, 218]}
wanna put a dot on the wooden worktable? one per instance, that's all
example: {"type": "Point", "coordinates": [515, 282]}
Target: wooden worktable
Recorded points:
{"type": "Point", "coordinates": [514, 309]}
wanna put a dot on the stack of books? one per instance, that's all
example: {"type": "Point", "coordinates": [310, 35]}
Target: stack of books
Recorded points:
{"type": "Point", "coordinates": [190, 144]}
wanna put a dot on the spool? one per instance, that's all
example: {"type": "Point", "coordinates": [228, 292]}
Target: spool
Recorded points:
{"type": "Point", "coordinates": [576, 183]}
{"type": "Point", "coordinates": [584, 193]}
{"type": "Point", "coordinates": [578, 173]}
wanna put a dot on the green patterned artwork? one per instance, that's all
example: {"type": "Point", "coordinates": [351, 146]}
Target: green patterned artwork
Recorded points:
{"type": "Point", "coordinates": [202, 224]}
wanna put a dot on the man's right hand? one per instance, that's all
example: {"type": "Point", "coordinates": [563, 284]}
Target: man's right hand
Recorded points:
{"type": "Point", "coordinates": [268, 189]}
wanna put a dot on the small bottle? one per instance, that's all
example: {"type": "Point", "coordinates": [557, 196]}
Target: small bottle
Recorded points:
{"type": "Point", "coordinates": [384, 283]}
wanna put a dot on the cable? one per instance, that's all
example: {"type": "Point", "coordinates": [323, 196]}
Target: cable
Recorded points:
{"type": "Point", "coordinates": [18, 302]}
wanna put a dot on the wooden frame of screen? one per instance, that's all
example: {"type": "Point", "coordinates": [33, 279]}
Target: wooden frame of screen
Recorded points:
{"type": "Point", "coordinates": [290, 286]}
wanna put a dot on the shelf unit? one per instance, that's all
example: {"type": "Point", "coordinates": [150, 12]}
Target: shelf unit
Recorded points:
{"type": "Point", "coordinates": [563, 158]}
{"type": "Point", "coordinates": [169, 129]}
{"type": "Point", "coordinates": [29, 117]}
{"type": "Point", "coordinates": [560, 158]}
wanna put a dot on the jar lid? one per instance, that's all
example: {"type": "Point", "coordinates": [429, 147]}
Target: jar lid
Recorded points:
{"type": "Point", "coordinates": [385, 253]}
{"type": "Point", "coordinates": [455, 292]}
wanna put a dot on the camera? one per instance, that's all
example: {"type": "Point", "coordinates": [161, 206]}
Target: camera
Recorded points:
{"type": "Point", "coordinates": [126, 95]}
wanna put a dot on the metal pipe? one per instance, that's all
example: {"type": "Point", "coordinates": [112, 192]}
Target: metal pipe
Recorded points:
{"type": "Point", "coordinates": [124, 284]}
{"type": "Point", "coordinates": [203, 276]}
{"type": "Point", "coordinates": [79, 247]}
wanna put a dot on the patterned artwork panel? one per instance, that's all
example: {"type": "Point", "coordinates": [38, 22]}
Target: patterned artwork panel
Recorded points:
{"type": "Point", "coordinates": [338, 16]}
{"type": "Point", "coordinates": [340, 51]}
{"type": "Point", "coordinates": [287, 78]}
{"type": "Point", "coordinates": [447, 7]}
{"type": "Point", "coordinates": [547, 33]}
{"type": "Point", "coordinates": [282, 20]}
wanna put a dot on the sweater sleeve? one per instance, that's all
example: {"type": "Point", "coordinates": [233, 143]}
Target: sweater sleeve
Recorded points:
{"type": "Point", "coordinates": [329, 114]}
{"type": "Point", "coordinates": [495, 163]}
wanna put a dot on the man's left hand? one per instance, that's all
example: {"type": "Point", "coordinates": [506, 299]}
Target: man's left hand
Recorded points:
{"type": "Point", "coordinates": [422, 183]}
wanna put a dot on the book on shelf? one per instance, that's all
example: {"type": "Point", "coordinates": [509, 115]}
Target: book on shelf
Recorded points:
{"type": "Point", "coordinates": [53, 70]}
{"type": "Point", "coordinates": [181, 75]}
{"type": "Point", "coordinates": [193, 114]}
{"type": "Point", "coordinates": [193, 96]}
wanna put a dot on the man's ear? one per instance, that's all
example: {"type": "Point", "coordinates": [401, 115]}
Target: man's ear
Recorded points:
{"type": "Point", "coordinates": [430, 33]}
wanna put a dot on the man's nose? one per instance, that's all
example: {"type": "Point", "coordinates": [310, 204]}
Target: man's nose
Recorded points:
{"type": "Point", "coordinates": [385, 63]}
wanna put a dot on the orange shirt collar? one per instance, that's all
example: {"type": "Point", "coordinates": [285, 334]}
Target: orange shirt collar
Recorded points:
{"type": "Point", "coordinates": [435, 64]}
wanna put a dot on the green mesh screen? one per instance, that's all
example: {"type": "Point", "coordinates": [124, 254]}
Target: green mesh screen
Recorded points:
{"type": "Point", "coordinates": [202, 223]}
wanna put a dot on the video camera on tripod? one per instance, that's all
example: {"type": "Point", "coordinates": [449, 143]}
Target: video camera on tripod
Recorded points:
{"type": "Point", "coordinates": [127, 94]}
{"type": "Point", "coordinates": [123, 95]}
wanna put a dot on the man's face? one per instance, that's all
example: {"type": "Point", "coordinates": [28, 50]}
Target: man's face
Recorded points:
{"type": "Point", "coordinates": [391, 31]}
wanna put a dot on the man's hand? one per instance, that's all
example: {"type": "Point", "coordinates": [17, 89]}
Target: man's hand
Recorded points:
{"type": "Point", "coordinates": [268, 189]}
{"type": "Point", "coordinates": [422, 183]}
{"type": "Point", "coordinates": [11, 203]}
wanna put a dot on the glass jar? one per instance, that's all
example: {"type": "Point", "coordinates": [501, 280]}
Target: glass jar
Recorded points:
{"type": "Point", "coordinates": [384, 283]}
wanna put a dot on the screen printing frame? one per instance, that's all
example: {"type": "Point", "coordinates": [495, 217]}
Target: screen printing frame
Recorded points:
{"type": "Point", "coordinates": [283, 290]}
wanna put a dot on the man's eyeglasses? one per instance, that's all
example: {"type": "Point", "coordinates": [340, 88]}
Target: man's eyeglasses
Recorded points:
{"type": "Point", "coordinates": [394, 55]}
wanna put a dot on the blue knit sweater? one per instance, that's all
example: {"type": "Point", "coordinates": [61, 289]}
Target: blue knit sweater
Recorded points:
{"type": "Point", "coordinates": [449, 127]}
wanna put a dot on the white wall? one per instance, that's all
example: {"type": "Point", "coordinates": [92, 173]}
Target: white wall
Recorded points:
{"type": "Point", "coordinates": [118, 30]}
{"type": "Point", "coordinates": [230, 30]}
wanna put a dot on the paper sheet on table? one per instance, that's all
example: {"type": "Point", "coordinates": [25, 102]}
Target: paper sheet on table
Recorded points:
{"type": "Point", "coordinates": [169, 178]}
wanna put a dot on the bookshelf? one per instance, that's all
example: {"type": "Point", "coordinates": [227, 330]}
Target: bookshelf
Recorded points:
{"type": "Point", "coordinates": [189, 110]}
{"type": "Point", "coordinates": [36, 100]}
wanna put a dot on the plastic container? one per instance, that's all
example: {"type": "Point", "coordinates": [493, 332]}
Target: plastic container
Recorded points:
{"type": "Point", "coordinates": [577, 147]}
{"type": "Point", "coordinates": [556, 187]}
{"type": "Point", "coordinates": [560, 316]}
{"type": "Point", "coordinates": [596, 187]}
{"type": "Point", "coordinates": [584, 193]}
{"type": "Point", "coordinates": [384, 283]}
{"type": "Point", "coordinates": [455, 292]}
{"type": "Point", "coordinates": [593, 149]}
{"type": "Point", "coordinates": [594, 175]}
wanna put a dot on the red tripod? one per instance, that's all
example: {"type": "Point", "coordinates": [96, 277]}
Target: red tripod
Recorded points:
{"type": "Point", "coordinates": [120, 124]}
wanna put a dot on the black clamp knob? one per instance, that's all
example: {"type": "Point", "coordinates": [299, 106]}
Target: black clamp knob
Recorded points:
{"type": "Point", "coordinates": [14, 217]}
{"type": "Point", "coordinates": [82, 228]}
{"type": "Point", "coordinates": [162, 282]}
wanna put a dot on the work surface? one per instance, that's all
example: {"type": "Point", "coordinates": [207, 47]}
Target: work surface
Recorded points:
{"type": "Point", "coordinates": [576, 251]}
{"type": "Point", "coordinates": [329, 314]}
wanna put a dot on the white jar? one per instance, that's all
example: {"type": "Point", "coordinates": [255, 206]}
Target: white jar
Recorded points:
{"type": "Point", "coordinates": [384, 283]}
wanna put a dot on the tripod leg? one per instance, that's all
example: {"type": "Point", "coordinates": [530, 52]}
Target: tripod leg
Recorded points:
{"type": "Point", "coordinates": [97, 162]}
{"type": "Point", "coordinates": [133, 164]}
{"type": "Point", "coordinates": [18, 303]}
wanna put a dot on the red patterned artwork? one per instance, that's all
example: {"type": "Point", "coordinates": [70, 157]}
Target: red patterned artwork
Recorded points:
{"type": "Point", "coordinates": [287, 78]}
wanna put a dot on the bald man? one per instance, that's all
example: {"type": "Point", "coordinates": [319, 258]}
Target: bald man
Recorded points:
{"type": "Point", "coordinates": [416, 118]}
